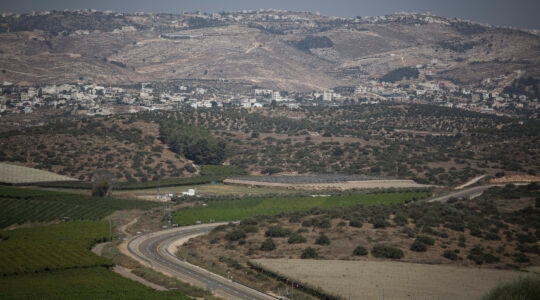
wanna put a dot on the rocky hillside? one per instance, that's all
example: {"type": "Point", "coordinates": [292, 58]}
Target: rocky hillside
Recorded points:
{"type": "Point", "coordinates": [279, 50]}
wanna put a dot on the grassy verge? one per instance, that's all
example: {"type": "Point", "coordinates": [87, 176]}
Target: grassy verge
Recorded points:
{"type": "Point", "coordinates": [112, 253]}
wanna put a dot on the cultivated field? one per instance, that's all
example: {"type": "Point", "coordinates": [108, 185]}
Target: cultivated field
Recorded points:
{"type": "Point", "coordinates": [392, 280]}
{"type": "Point", "coordinates": [231, 210]}
{"type": "Point", "coordinates": [17, 174]}
{"type": "Point", "coordinates": [21, 205]}
{"type": "Point", "coordinates": [60, 246]}
{"type": "Point", "coordinates": [84, 283]}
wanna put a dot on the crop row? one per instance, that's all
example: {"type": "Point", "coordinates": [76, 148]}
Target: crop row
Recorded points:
{"type": "Point", "coordinates": [33, 256]}
{"type": "Point", "coordinates": [87, 283]}
{"type": "Point", "coordinates": [27, 205]}
{"type": "Point", "coordinates": [230, 210]}
{"type": "Point", "coordinates": [58, 246]}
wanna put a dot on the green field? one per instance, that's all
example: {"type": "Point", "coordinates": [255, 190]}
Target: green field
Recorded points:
{"type": "Point", "coordinates": [87, 283]}
{"type": "Point", "coordinates": [20, 205]}
{"type": "Point", "coordinates": [231, 210]}
{"type": "Point", "coordinates": [59, 246]}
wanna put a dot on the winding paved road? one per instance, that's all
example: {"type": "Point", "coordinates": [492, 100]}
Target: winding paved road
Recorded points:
{"type": "Point", "coordinates": [153, 248]}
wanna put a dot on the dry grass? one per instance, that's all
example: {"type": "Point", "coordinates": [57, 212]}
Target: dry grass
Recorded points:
{"type": "Point", "coordinates": [18, 174]}
{"type": "Point", "coordinates": [346, 185]}
{"type": "Point", "coordinates": [392, 280]}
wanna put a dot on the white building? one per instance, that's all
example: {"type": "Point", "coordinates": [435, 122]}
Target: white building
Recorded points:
{"type": "Point", "coordinates": [190, 192]}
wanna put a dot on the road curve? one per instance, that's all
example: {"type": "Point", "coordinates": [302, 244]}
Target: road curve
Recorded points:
{"type": "Point", "coordinates": [152, 249]}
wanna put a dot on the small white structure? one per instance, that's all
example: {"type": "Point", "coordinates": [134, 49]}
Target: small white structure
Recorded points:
{"type": "Point", "coordinates": [190, 192]}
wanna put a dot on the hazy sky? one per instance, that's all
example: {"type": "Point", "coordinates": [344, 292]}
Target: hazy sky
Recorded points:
{"type": "Point", "coordinates": [518, 13]}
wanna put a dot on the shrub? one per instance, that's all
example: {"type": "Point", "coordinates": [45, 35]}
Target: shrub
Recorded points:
{"type": "Point", "coordinates": [296, 238]}
{"type": "Point", "coordinates": [378, 222]}
{"type": "Point", "coordinates": [277, 231]}
{"type": "Point", "coordinates": [450, 255]}
{"type": "Point", "coordinates": [309, 253]}
{"type": "Point", "coordinates": [235, 235]}
{"type": "Point", "coordinates": [100, 188]}
{"type": "Point", "coordinates": [526, 238]}
{"type": "Point", "coordinates": [385, 251]}
{"type": "Point", "coordinates": [418, 246]}
{"type": "Point", "coordinates": [425, 240]}
{"type": "Point", "coordinates": [322, 239]}
{"type": "Point", "coordinates": [268, 245]}
{"type": "Point", "coordinates": [401, 219]}
{"type": "Point", "coordinates": [523, 288]}
{"type": "Point", "coordinates": [251, 228]}
{"type": "Point", "coordinates": [490, 236]}
{"type": "Point", "coordinates": [408, 231]}
{"type": "Point", "coordinates": [476, 232]}
{"type": "Point", "coordinates": [360, 251]}
{"type": "Point", "coordinates": [294, 219]}
{"type": "Point", "coordinates": [477, 255]}
{"type": "Point", "coordinates": [521, 258]}
{"type": "Point", "coordinates": [355, 223]}
{"type": "Point", "coordinates": [249, 221]}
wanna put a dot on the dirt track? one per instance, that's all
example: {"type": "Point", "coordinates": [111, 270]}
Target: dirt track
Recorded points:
{"type": "Point", "coordinates": [393, 280]}
{"type": "Point", "coordinates": [346, 185]}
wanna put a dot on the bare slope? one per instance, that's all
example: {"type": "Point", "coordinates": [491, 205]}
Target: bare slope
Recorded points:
{"type": "Point", "coordinates": [257, 48]}
{"type": "Point", "coordinates": [18, 174]}
{"type": "Point", "coordinates": [392, 280]}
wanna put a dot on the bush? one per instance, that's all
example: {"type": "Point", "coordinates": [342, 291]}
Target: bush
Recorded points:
{"type": "Point", "coordinates": [235, 235]}
{"type": "Point", "coordinates": [418, 246]}
{"type": "Point", "coordinates": [523, 288]}
{"type": "Point", "coordinates": [277, 231]}
{"type": "Point", "coordinates": [477, 255]}
{"type": "Point", "coordinates": [296, 238]}
{"type": "Point", "coordinates": [425, 240]}
{"type": "Point", "coordinates": [309, 253]}
{"type": "Point", "coordinates": [378, 222]}
{"type": "Point", "coordinates": [385, 251]}
{"type": "Point", "coordinates": [521, 258]}
{"type": "Point", "coordinates": [100, 188]}
{"type": "Point", "coordinates": [268, 245]}
{"type": "Point", "coordinates": [490, 236]}
{"type": "Point", "coordinates": [294, 219]}
{"type": "Point", "coordinates": [401, 219]}
{"type": "Point", "coordinates": [322, 239]}
{"type": "Point", "coordinates": [251, 228]}
{"type": "Point", "coordinates": [450, 255]}
{"type": "Point", "coordinates": [249, 221]}
{"type": "Point", "coordinates": [526, 238]}
{"type": "Point", "coordinates": [360, 251]}
{"type": "Point", "coordinates": [355, 223]}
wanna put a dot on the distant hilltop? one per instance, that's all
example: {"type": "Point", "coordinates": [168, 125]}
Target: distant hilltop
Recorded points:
{"type": "Point", "coordinates": [269, 48]}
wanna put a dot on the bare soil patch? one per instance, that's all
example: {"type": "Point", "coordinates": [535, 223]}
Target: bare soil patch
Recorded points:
{"type": "Point", "coordinates": [392, 280]}
{"type": "Point", "coordinates": [346, 185]}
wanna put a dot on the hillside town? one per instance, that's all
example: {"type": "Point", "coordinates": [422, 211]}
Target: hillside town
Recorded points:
{"type": "Point", "coordinates": [93, 99]}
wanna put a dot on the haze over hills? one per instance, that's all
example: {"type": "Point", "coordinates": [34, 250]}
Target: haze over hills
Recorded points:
{"type": "Point", "coordinates": [271, 49]}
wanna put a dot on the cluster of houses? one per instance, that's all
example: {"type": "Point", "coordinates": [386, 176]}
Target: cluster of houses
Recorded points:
{"type": "Point", "coordinates": [92, 99]}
